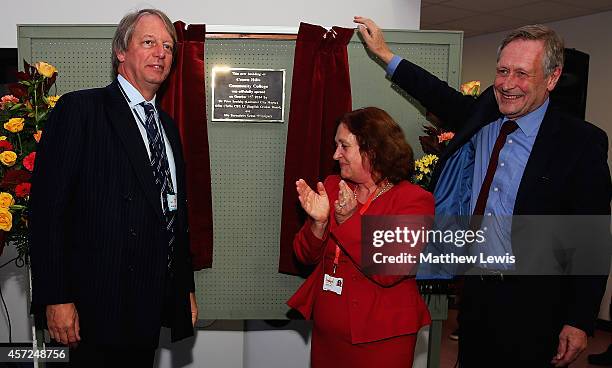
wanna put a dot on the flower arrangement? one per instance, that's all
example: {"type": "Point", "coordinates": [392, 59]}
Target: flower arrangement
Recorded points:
{"type": "Point", "coordinates": [423, 169]}
{"type": "Point", "coordinates": [22, 117]}
{"type": "Point", "coordinates": [436, 139]}
{"type": "Point", "coordinates": [471, 88]}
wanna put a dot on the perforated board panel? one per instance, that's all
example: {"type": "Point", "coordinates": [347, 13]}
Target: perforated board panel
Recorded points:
{"type": "Point", "coordinates": [247, 162]}
{"type": "Point", "coordinates": [438, 52]}
{"type": "Point", "coordinates": [90, 69]}
{"type": "Point", "coordinates": [247, 159]}
{"type": "Point", "coordinates": [80, 53]}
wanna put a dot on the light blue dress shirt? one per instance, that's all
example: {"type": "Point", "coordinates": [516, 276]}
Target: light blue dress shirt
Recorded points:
{"type": "Point", "coordinates": [513, 158]}
{"type": "Point", "coordinates": [393, 65]}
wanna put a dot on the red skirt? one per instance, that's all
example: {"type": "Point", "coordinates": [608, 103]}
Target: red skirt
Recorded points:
{"type": "Point", "coordinates": [331, 335]}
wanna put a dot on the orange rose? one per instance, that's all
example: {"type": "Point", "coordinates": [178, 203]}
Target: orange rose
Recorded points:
{"type": "Point", "coordinates": [471, 88]}
{"type": "Point", "coordinates": [6, 200]}
{"type": "Point", "coordinates": [6, 220]}
{"type": "Point", "coordinates": [8, 158]}
{"type": "Point", "coordinates": [14, 125]}
{"type": "Point", "coordinates": [46, 70]}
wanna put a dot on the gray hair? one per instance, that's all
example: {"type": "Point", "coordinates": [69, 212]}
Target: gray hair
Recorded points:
{"type": "Point", "coordinates": [553, 44]}
{"type": "Point", "coordinates": [125, 29]}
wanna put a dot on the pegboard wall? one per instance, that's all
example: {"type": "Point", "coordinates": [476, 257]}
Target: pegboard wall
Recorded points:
{"type": "Point", "coordinates": [438, 52]}
{"type": "Point", "coordinates": [247, 163]}
{"type": "Point", "coordinates": [81, 53]}
{"type": "Point", "coordinates": [247, 159]}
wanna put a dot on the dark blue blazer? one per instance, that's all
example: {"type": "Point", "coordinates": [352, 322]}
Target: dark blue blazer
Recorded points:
{"type": "Point", "coordinates": [98, 235]}
{"type": "Point", "coordinates": [566, 174]}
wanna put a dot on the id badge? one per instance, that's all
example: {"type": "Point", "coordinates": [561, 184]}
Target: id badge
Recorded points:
{"type": "Point", "coordinates": [333, 284]}
{"type": "Point", "coordinates": [172, 202]}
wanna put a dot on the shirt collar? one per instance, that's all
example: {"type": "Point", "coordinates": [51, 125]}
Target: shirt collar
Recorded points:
{"type": "Point", "coordinates": [530, 123]}
{"type": "Point", "coordinates": [135, 98]}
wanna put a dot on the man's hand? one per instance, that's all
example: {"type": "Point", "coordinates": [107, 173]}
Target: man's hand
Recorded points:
{"type": "Point", "coordinates": [63, 323]}
{"type": "Point", "coordinates": [194, 308]}
{"type": "Point", "coordinates": [373, 37]}
{"type": "Point", "coordinates": [572, 342]}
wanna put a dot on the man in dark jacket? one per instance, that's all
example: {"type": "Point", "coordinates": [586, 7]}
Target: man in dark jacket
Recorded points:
{"type": "Point", "coordinates": [515, 154]}
{"type": "Point", "coordinates": [109, 242]}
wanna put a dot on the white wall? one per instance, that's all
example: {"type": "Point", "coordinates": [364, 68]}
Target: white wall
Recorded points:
{"type": "Point", "coordinates": [401, 14]}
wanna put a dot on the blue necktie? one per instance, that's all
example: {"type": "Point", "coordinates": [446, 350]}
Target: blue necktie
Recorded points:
{"type": "Point", "coordinates": [161, 173]}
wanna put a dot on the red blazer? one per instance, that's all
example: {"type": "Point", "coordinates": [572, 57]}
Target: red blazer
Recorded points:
{"type": "Point", "coordinates": [381, 306]}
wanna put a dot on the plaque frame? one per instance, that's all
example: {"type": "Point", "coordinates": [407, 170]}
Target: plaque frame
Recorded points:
{"type": "Point", "coordinates": [215, 70]}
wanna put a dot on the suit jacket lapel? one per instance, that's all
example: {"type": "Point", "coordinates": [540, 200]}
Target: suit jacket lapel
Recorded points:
{"type": "Point", "coordinates": [486, 112]}
{"type": "Point", "coordinates": [122, 120]}
{"type": "Point", "coordinates": [539, 159]}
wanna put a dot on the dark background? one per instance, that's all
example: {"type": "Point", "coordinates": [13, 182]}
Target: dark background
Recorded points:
{"type": "Point", "coordinates": [8, 68]}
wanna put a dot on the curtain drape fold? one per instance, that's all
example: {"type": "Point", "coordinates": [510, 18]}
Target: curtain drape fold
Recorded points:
{"type": "Point", "coordinates": [184, 98]}
{"type": "Point", "coordinates": [320, 94]}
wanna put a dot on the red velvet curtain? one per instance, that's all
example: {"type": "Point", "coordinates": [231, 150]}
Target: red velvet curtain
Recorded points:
{"type": "Point", "coordinates": [320, 94]}
{"type": "Point", "coordinates": [184, 98]}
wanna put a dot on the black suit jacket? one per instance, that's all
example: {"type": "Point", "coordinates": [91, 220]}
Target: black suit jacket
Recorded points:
{"type": "Point", "coordinates": [98, 236]}
{"type": "Point", "coordinates": [566, 174]}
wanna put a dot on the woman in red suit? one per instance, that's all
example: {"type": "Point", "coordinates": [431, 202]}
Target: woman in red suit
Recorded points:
{"type": "Point", "coordinates": [359, 320]}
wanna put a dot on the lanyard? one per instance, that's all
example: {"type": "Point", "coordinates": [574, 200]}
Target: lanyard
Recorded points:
{"type": "Point", "coordinates": [367, 203]}
{"type": "Point", "coordinates": [137, 114]}
{"type": "Point", "coordinates": [361, 212]}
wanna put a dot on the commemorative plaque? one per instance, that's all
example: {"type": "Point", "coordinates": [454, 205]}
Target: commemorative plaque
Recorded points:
{"type": "Point", "coordinates": [248, 95]}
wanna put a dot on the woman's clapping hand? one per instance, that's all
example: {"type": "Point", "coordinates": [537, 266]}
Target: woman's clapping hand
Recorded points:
{"type": "Point", "coordinates": [314, 203]}
{"type": "Point", "coordinates": [346, 204]}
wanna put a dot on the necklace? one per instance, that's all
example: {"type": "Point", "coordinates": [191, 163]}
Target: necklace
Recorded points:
{"type": "Point", "coordinates": [384, 189]}
{"type": "Point", "coordinates": [381, 190]}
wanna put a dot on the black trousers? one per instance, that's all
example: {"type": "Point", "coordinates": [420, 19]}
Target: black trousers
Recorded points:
{"type": "Point", "coordinates": [507, 323]}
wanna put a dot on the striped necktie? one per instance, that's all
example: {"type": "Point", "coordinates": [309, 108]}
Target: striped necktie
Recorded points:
{"type": "Point", "coordinates": [161, 173]}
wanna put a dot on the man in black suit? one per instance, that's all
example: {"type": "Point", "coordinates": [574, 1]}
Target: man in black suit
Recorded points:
{"type": "Point", "coordinates": [109, 242]}
{"type": "Point", "coordinates": [515, 154]}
